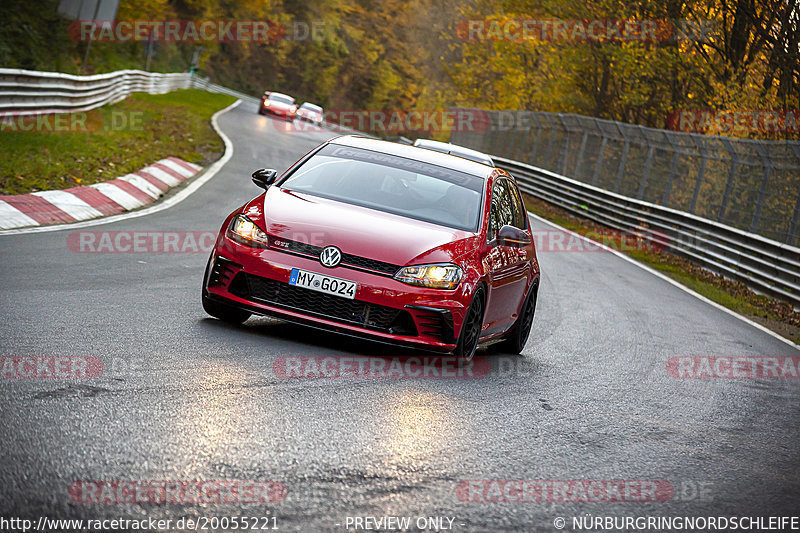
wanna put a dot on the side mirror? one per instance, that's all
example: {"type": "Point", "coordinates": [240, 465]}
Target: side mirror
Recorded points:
{"type": "Point", "coordinates": [512, 236]}
{"type": "Point", "coordinates": [264, 177]}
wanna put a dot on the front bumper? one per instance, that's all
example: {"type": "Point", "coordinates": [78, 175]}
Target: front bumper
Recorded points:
{"type": "Point", "coordinates": [384, 309]}
{"type": "Point", "coordinates": [285, 113]}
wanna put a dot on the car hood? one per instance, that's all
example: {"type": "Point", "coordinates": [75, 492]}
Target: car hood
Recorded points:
{"type": "Point", "coordinates": [357, 230]}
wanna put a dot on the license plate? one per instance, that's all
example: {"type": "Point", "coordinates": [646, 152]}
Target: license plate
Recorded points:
{"type": "Point", "coordinates": [322, 283]}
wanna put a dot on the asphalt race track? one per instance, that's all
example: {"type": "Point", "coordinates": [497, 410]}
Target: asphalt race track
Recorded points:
{"type": "Point", "coordinates": [185, 397]}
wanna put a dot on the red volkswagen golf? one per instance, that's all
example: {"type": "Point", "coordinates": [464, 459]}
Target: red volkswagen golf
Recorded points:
{"type": "Point", "coordinates": [382, 240]}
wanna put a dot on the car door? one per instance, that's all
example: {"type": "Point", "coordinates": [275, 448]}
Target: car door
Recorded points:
{"type": "Point", "coordinates": [508, 266]}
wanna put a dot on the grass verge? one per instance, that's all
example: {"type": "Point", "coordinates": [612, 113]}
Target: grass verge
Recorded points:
{"type": "Point", "coordinates": [63, 151]}
{"type": "Point", "coordinates": [772, 313]}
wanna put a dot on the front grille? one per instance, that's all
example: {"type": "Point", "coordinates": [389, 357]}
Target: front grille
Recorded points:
{"type": "Point", "coordinates": [357, 312]}
{"type": "Point", "coordinates": [348, 260]}
{"type": "Point", "coordinates": [369, 264]}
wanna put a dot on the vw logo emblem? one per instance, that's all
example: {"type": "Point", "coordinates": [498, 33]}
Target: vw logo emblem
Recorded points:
{"type": "Point", "coordinates": [330, 257]}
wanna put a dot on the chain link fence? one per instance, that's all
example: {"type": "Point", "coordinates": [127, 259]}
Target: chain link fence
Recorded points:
{"type": "Point", "coordinates": [750, 185]}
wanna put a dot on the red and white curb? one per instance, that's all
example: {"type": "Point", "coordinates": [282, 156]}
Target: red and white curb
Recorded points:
{"type": "Point", "coordinates": [99, 200]}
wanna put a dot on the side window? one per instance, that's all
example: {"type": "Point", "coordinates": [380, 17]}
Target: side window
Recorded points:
{"type": "Point", "coordinates": [502, 211]}
{"type": "Point", "coordinates": [507, 207]}
{"type": "Point", "coordinates": [494, 212]}
{"type": "Point", "coordinates": [520, 215]}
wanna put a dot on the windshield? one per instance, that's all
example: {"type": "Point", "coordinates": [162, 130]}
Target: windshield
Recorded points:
{"type": "Point", "coordinates": [311, 107]}
{"type": "Point", "coordinates": [281, 98]}
{"type": "Point", "coordinates": [392, 184]}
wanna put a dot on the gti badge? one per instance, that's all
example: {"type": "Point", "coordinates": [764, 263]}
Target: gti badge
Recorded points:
{"type": "Point", "coordinates": [330, 256]}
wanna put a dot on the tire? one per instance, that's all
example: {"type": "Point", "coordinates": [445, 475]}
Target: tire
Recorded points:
{"type": "Point", "coordinates": [471, 328]}
{"type": "Point", "coordinates": [219, 310]}
{"type": "Point", "coordinates": [521, 329]}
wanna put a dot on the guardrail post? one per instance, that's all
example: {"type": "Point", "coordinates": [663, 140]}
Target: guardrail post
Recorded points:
{"type": "Point", "coordinates": [599, 162]}
{"type": "Point", "coordinates": [762, 189]}
{"type": "Point", "coordinates": [673, 166]}
{"type": "Point", "coordinates": [623, 160]}
{"type": "Point", "coordinates": [760, 200]}
{"type": "Point", "coordinates": [513, 143]}
{"type": "Point", "coordinates": [495, 138]}
{"type": "Point", "coordinates": [580, 154]}
{"type": "Point", "coordinates": [700, 172]}
{"type": "Point", "coordinates": [648, 162]}
{"type": "Point", "coordinates": [565, 148]}
{"type": "Point", "coordinates": [521, 148]}
{"type": "Point", "coordinates": [723, 206]}
{"type": "Point", "coordinates": [536, 140]}
{"type": "Point", "coordinates": [491, 139]}
{"type": "Point", "coordinates": [510, 136]}
{"type": "Point", "coordinates": [792, 233]}
{"type": "Point", "coordinates": [548, 156]}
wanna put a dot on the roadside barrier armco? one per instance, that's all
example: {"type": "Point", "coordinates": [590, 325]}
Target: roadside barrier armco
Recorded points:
{"type": "Point", "coordinates": [768, 266]}
{"type": "Point", "coordinates": [30, 92]}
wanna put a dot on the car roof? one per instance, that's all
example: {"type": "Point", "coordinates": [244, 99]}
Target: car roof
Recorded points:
{"type": "Point", "coordinates": [454, 149]}
{"type": "Point", "coordinates": [419, 154]}
{"type": "Point", "coordinates": [313, 106]}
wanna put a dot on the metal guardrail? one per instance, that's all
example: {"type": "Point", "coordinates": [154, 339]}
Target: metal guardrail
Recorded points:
{"type": "Point", "coordinates": [29, 92]}
{"type": "Point", "coordinates": [753, 185]}
{"type": "Point", "coordinates": [204, 83]}
{"type": "Point", "coordinates": [768, 266]}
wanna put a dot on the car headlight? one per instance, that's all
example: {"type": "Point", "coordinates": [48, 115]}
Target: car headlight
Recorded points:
{"type": "Point", "coordinates": [438, 276]}
{"type": "Point", "coordinates": [244, 231]}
